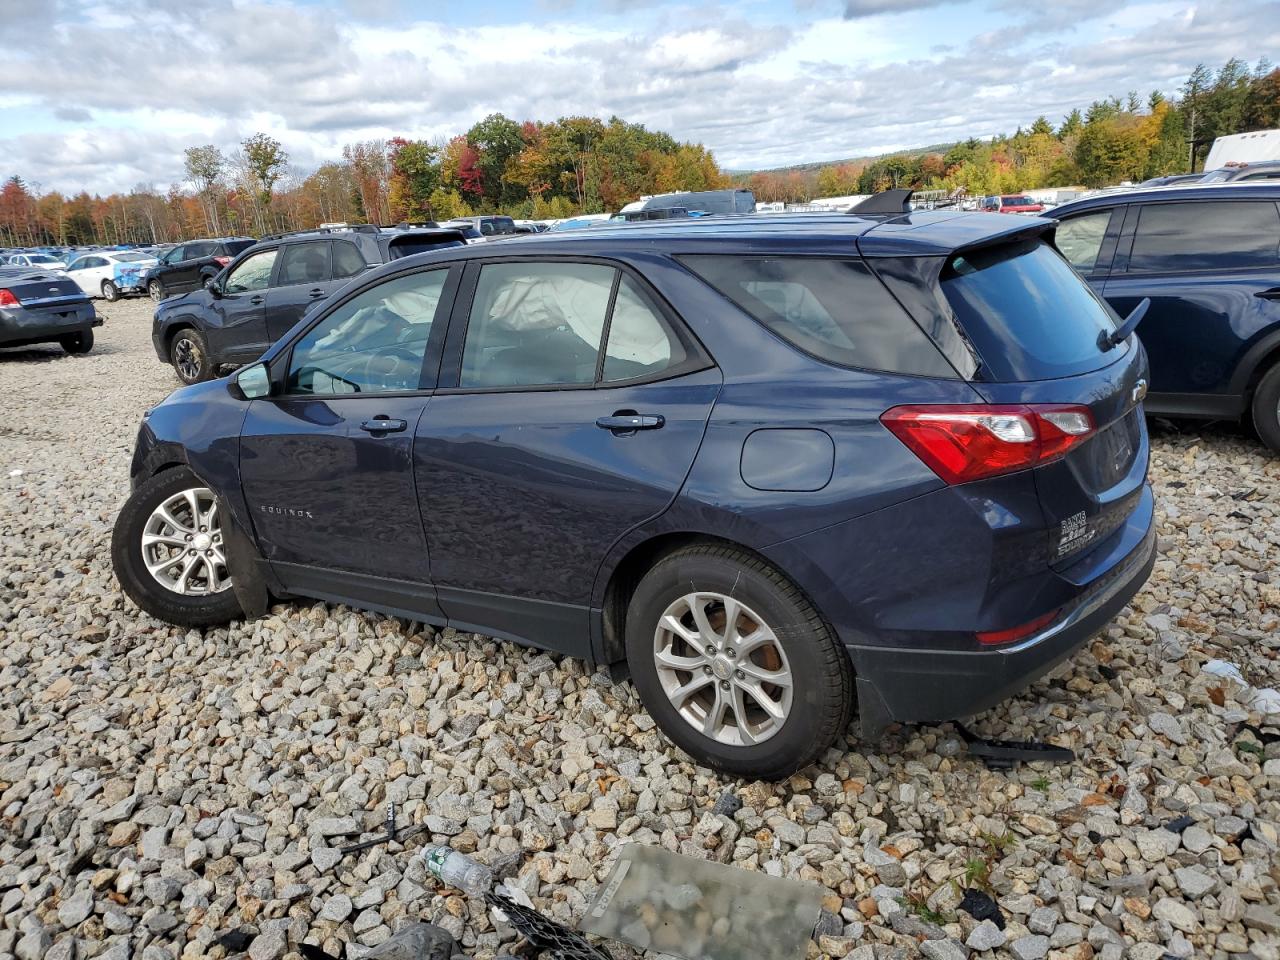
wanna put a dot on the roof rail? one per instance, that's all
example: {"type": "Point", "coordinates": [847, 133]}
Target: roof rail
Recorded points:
{"type": "Point", "coordinates": [351, 228]}
{"type": "Point", "coordinates": [891, 202]}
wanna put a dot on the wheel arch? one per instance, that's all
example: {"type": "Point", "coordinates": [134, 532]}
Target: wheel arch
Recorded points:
{"type": "Point", "coordinates": [1253, 366]}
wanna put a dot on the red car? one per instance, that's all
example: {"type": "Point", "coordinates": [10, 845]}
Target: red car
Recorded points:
{"type": "Point", "coordinates": [1010, 203]}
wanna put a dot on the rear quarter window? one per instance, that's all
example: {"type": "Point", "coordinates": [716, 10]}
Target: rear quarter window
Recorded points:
{"type": "Point", "coordinates": [1027, 312]}
{"type": "Point", "coordinates": [833, 309]}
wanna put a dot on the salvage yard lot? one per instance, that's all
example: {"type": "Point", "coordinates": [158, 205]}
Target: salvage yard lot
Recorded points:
{"type": "Point", "coordinates": [159, 788]}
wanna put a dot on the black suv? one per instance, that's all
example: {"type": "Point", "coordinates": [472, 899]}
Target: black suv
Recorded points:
{"type": "Point", "coordinates": [191, 265]}
{"type": "Point", "coordinates": [268, 287]}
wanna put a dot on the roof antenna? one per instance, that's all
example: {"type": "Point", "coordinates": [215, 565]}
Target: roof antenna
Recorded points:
{"type": "Point", "coordinates": [894, 202]}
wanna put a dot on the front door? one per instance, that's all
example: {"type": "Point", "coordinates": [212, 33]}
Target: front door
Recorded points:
{"type": "Point", "coordinates": [545, 451]}
{"type": "Point", "coordinates": [326, 465]}
{"type": "Point", "coordinates": [1210, 268]}
{"type": "Point", "coordinates": [240, 333]}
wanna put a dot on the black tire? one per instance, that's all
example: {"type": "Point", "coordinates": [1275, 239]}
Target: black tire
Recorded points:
{"type": "Point", "coordinates": [155, 290]}
{"type": "Point", "coordinates": [1266, 408]}
{"type": "Point", "coordinates": [110, 292]}
{"type": "Point", "coordinates": [131, 570]}
{"type": "Point", "coordinates": [189, 354]}
{"type": "Point", "coordinates": [81, 342]}
{"type": "Point", "coordinates": [822, 699]}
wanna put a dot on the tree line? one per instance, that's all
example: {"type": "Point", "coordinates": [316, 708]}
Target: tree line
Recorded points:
{"type": "Point", "coordinates": [1110, 141]}
{"type": "Point", "coordinates": [538, 170]}
{"type": "Point", "coordinates": [546, 170]}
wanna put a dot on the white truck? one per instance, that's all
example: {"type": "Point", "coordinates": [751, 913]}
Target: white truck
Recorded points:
{"type": "Point", "coordinates": [1240, 148]}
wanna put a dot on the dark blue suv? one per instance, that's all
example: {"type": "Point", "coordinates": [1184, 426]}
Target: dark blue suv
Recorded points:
{"type": "Point", "coordinates": [780, 468]}
{"type": "Point", "coordinates": [1208, 258]}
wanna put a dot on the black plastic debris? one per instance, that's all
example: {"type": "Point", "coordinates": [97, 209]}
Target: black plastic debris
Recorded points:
{"type": "Point", "coordinates": [1108, 673]}
{"type": "Point", "coordinates": [981, 907]}
{"type": "Point", "coordinates": [1178, 824]}
{"type": "Point", "coordinates": [544, 934]}
{"type": "Point", "coordinates": [393, 833]}
{"type": "Point", "coordinates": [1004, 754]}
{"type": "Point", "coordinates": [727, 804]}
{"type": "Point", "coordinates": [236, 941]}
{"type": "Point", "coordinates": [420, 941]}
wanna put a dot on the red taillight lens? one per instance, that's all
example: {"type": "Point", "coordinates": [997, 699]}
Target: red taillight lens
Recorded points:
{"type": "Point", "coordinates": [7, 299]}
{"type": "Point", "coordinates": [964, 442]}
{"type": "Point", "coordinates": [992, 637]}
{"type": "Point", "coordinates": [222, 261]}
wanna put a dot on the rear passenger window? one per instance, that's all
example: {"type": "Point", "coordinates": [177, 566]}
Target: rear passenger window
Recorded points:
{"type": "Point", "coordinates": [1205, 235]}
{"type": "Point", "coordinates": [835, 310]}
{"type": "Point", "coordinates": [304, 263]}
{"type": "Point", "coordinates": [347, 260]}
{"type": "Point", "coordinates": [1080, 238]}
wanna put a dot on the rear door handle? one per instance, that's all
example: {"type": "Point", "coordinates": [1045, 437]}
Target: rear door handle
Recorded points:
{"type": "Point", "coordinates": [1272, 294]}
{"type": "Point", "coordinates": [255, 300]}
{"type": "Point", "coordinates": [384, 425]}
{"type": "Point", "coordinates": [317, 292]}
{"type": "Point", "coordinates": [623, 422]}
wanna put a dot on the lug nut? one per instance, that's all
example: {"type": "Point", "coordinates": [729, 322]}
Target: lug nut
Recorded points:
{"type": "Point", "coordinates": [710, 651]}
{"type": "Point", "coordinates": [740, 675]}
{"type": "Point", "coordinates": [724, 684]}
{"type": "Point", "coordinates": [188, 538]}
{"type": "Point", "coordinates": [730, 653]}
{"type": "Point", "coordinates": [707, 671]}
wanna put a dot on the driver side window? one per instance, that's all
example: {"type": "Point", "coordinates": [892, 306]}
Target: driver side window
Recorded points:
{"type": "Point", "coordinates": [376, 342]}
{"type": "Point", "coordinates": [253, 274]}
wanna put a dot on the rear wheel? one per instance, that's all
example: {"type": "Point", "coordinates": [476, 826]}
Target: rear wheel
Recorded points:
{"type": "Point", "coordinates": [81, 342]}
{"type": "Point", "coordinates": [735, 664]}
{"type": "Point", "coordinates": [110, 291]}
{"type": "Point", "coordinates": [190, 356]}
{"type": "Point", "coordinates": [168, 554]}
{"type": "Point", "coordinates": [155, 290]}
{"type": "Point", "coordinates": [1266, 408]}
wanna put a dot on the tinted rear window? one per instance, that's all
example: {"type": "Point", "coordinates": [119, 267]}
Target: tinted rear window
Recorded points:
{"type": "Point", "coordinates": [835, 310]}
{"type": "Point", "coordinates": [1205, 235]}
{"type": "Point", "coordinates": [235, 246]}
{"type": "Point", "coordinates": [1029, 315]}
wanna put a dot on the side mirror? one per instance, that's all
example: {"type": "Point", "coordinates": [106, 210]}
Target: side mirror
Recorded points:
{"type": "Point", "coordinates": [215, 289]}
{"type": "Point", "coordinates": [253, 381]}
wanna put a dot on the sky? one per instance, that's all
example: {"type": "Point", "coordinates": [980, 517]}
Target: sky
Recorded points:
{"type": "Point", "coordinates": [105, 96]}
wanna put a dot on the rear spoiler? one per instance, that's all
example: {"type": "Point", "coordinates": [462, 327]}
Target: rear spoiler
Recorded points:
{"type": "Point", "coordinates": [886, 202]}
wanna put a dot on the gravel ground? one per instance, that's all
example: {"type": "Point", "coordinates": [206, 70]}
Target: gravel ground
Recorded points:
{"type": "Point", "coordinates": [160, 788]}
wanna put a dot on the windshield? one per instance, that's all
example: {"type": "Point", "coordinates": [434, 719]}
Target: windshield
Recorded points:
{"type": "Point", "coordinates": [42, 258]}
{"type": "Point", "coordinates": [1030, 316]}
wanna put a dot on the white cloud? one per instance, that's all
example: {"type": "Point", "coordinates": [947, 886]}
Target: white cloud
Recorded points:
{"type": "Point", "coordinates": [113, 92]}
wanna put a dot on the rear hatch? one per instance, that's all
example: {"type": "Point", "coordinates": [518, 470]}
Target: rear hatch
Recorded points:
{"type": "Point", "coordinates": [1038, 332]}
{"type": "Point", "coordinates": [38, 289]}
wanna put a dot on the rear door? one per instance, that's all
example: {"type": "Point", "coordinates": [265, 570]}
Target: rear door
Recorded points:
{"type": "Point", "coordinates": [1212, 271]}
{"type": "Point", "coordinates": [185, 274]}
{"type": "Point", "coordinates": [303, 277]}
{"type": "Point", "coordinates": [543, 449]}
{"type": "Point", "coordinates": [1036, 328]}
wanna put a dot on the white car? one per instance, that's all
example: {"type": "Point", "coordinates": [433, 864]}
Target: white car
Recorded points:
{"type": "Point", "coordinates": [42, 260]}
{"type": "Point", "coordinates": [111, 274]}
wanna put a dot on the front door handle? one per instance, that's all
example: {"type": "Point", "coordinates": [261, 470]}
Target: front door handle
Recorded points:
{"type": "Point", "coordinates": [1272, 294]}
{"type": "Point", "coordinates": [255, 300]}
{"type": "Point", "coordinates": [317, 292]}
{"type": "Point", "coordinates": [384, 425]}
{"type": "Point", "coordinates": [625, 421]}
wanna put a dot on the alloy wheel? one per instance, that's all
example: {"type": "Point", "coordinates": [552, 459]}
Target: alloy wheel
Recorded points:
{"type": "Point", "coordinates": [723, 669]}
{"type": "Point", "coordinates": [155, 291]}
{"type": "Point", "coordinates": [188, 359]}
{"type": "Point", "coordinates": [182, 544]}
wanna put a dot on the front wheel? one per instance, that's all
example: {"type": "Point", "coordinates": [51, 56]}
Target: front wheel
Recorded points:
{"type": "Point", "coordinates": [190, 356]}
{"type": "Point", "coordinates": [155, 290]}
{"type": "Point", "coordinates": [734, 663]}
{"type": "Point", "coordinates": [168, 553]}
{"type": "Point", "coordinates": [81, 342]}
{"type": "Point", "coordinates": [110, 291]}
{"type": "Point", "coordinates": [1266, 408]}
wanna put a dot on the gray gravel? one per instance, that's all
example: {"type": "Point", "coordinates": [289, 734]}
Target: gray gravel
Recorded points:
{"type": "Point", "coordinates": [160, 788]}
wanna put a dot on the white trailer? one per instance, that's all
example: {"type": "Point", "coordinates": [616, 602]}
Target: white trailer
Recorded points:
{"type": "Point", "coordinates": [1243, 148]}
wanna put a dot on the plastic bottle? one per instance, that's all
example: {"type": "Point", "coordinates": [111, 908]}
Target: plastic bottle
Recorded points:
{"type": "Point", "coordinates": [456, 870]}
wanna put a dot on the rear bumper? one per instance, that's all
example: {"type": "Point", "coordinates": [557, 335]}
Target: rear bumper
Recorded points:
{"type": "Point", "coordinates": [19, 327]}
{"type": "Point", "coordinates": [914, 685]}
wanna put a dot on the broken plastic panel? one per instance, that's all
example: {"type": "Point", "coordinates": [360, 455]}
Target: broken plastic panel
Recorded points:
{"type": "Point", "coordinates": [658, 900]}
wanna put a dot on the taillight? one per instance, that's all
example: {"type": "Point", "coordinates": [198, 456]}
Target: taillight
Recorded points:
{"type": "Point", "coordinates": [222, 261]}
{"type": "Point", "coordinates": [7, 299]}
{"type": "Point", "coordinates": [993, 637]}
{"type": "Point", "coordinates": [964, 442]}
